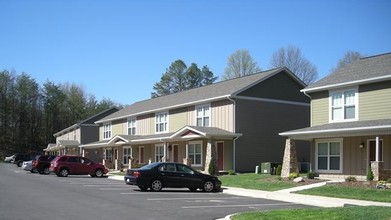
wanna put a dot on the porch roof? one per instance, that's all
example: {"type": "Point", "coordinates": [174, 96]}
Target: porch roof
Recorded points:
{"type": "Point", "coordinates": [68, 143]}
{"type": "Point", "coordinates": [342, 129]}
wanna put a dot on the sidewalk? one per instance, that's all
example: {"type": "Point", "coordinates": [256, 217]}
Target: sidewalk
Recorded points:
{"type": "Point", "coordinates": [286, 195]}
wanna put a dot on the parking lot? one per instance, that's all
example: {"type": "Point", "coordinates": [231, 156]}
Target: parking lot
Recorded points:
{"type": "Point", "coordinates": [82, 197]}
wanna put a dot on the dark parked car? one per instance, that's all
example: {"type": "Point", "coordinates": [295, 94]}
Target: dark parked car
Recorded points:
{"type": "Point", "coordinates": [41, 163]}
{"type": "Point", "coordinates": [171, 175]}
{"type": "Point", "coordinates": [20, 158]}
{"type": "Point", "coordinates": [75, 165]}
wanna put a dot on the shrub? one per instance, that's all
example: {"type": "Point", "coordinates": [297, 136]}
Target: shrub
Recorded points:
{"type": "Point", "coordinates": [350, 179]}
{"type": "Point", "coordinates": [278, 170]}
{"type": "Point", "coordinates": [370, 174]}
{"type": "Point", "coordinates": [212, 169]}
{"type": "Point", "coordinates": [293, 176]}
{"type": "Point", "coordinates": [231, 172]}
{"type": "Point", "coordinates": [389, 180]}
{"type": "Point", "coordinates": [311, 175]}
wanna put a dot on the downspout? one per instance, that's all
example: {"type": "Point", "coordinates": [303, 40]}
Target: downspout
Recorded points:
{"type": "Point", "coordinates": [234, 130]}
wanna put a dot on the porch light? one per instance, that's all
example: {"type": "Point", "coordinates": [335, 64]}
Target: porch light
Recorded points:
{"type": "Point", "coordinates": [362, 145]}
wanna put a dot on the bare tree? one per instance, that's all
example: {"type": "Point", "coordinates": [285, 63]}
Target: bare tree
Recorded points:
{"type": "Point", "coordinates": [348, 58]}
{"type": "Point", "coordinates": [240, 63]}
{"type": "Point", "coordinates": [292, 58]}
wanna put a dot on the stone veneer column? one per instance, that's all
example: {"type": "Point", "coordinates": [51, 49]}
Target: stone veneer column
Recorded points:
{"type": "Point", "coordinates": [210, 158]}
{"type": "Point", "coordinates": [289, 164]}
{"type": "Point", "coordinates": [377, 167]}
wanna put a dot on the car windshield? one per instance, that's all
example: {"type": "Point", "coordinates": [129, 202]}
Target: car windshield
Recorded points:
{"type": "Point", "coordinates": [148, 166]}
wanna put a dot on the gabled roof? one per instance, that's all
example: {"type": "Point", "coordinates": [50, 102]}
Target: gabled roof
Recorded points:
{"type": "Point", "coordinates": [342, 129]}
{"type": "Point", "coordinates": [66, 143]}
{"type": "Point", "coordinates": [194, 131]}
{"type": "Point", "coordinates": [216, 91]}
{"type": "Point", "coordinates": [91, 121]}
{"type": "Point", "coordinates": [364, 70]}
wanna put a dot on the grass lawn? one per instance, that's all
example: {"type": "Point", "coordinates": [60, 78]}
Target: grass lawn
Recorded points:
{"type": "Point", "coordinates": [369, 212]}
{"type": "Point", "coordinates": [265, 182]}
{"type": "Point", "coordinates": [360, 193]}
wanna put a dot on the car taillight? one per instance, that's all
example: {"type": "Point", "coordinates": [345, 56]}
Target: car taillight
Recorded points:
{"type": "Point", "coordinates": [136, 174]}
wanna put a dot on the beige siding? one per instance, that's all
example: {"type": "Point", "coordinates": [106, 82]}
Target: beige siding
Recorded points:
{"type": "Point", "coordinates": [145, 124]}
{"type": "Point", "coordinates": [177, 119]}
{"type": "Point", "coordinates": [78, 135]}
{"type": "Point", "coordinates": [117, 128]}
{"type": "Point", "coordinates": [319, 108]}
{"type": "Point", "coordinates": [375, 101]}
{"type": "Point", "coordinates": [222, 115]}
{"type": "Point", "coordinates": [191, 116]}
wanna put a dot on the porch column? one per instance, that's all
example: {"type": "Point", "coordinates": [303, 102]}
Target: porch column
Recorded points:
{"type": "Point", "coordinates": [210, 158]}
{"type": "Point", "coordinates": [164, 159]}
{"type": "Point", "coordinates": [289, 164]}
{"type": "Point", "coordinates": [377, 149]}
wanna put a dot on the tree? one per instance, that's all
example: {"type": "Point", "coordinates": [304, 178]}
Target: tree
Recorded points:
{"type": "Point", "coordinates": [348, 58]}
{"type": "Point", "coordinates": [292, 58]}
{"type": "Point", "coordinates": [240, 63]}
{"type": "Point", "coordinates": [179, 77]}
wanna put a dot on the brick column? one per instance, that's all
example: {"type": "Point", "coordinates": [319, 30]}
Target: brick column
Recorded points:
{"type": "Point", "coordinates": [210, 158]}
{"type": "Point", "coordinates": [377, 168]}
{"type": "Point", "coordinates": [289, 164]}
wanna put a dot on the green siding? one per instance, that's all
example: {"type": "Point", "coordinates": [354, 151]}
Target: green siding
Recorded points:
{"type": "Point", "coordinates": [178, 119]}
{"type": "Point", "coordinates": [319, 108]}
{"type": "Point", "coordinates": [375, 101]}
{"type": "Point", "coordinates": [280, 86]}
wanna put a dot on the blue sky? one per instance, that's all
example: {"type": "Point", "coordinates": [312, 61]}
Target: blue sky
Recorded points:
{"type": "Point", "coordinates": [119, 49]}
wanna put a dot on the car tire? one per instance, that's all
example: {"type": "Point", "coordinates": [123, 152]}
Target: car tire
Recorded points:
{"type": "Point", "coordinates": [34, 170]}
{"type": "Point", "coordinates": [156, 185]}
{"type": "Point", "coordinates": [64, 172]}
{"type": "Point", "coordinates": [208, 186]}
{"type": "Point", "coordinates": [45, 170]}
{"type": "Point", "coordinates": [193, 189]}
{"type": "Point", "coordinates": [98, 173]}
{"type": "Point", "coordinates": [143, 188]}
{"type": "Point", "coordinates": [20, 163]}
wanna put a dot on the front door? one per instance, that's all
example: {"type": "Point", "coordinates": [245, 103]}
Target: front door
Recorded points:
{"type": "Point", "coordinates": [220, 155]}
{"type": "Point", "coordinates": [175, 152]}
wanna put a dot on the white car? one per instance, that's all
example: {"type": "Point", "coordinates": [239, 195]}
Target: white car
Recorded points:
{"type": "Point", "coordinates": [28, 165]}
{"type": "Point", "coordinates": [10, 159]}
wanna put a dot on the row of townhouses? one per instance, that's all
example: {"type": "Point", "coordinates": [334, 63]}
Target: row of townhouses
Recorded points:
{"type": "Point", "coordinates": [340, 125]}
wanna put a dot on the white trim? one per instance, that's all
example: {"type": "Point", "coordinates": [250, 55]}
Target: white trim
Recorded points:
{"type": "Point", "coordinates": [110, 129]}
{"type": "Point", "coordinates": [351, 83]}
{"type": "Point", "coordinates": [187, 152]}
{"type": "Point", "coordinates": [335, 130]}
{"type": "Point", "coordinates": [328, 141]}
{"type": "Point", "coordinates": [272, 100]}
{"type": "Point", "coordinates": [123, 153]}
{"type": "Point", "coordinates": [135, 125]}
{"type": "Point", "coordinates": [158, 146]}
{"type": "Point", "coordinates": [167, 108]}
{"type": "Point", "coordinates": [208, 105]}
{"type": "Point", "coordinates": [356, 104]}
{"type": "Point", "coordinates": [166, 122]}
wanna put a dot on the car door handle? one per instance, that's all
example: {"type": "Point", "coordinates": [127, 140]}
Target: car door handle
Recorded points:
{"type": "Point", "coordinates": [182, 174]}
{"type": "Point", "coordinates": [162, 174]}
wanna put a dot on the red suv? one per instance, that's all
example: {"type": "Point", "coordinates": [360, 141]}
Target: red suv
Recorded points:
{"type": "Point", "coordinates": [76, 165]}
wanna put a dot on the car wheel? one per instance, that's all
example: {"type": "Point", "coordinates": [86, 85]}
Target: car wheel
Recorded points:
{"type": "Point", "coordinates": [143, 188]}
{"type": "Point", "coordinates": [156, 185]}
{"type": "Point", "coordinates": [64, 172]}
{"type": "Point", "coordinates": [34, 170]}
{"type": "Point", "coordinates": [193, 189]}
{"type": "Point", "coordinates": [46, 170]}
{"type": "Point", "coordinates": [99, 173]}
{"type": "Point", "coordinates": [19, 164]}
{"type": "Point", "coordinates": [208, 186]}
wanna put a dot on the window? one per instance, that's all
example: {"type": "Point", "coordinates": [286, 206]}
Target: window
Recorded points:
{"type": "Point", "coordinates": [127, 153]}
{"type": "Point", "coordinates": [329, 156]}
{"type": "Point", "coordinates": [106, 131]}
{"type": "Point", "coordinates": [343, 105]}
{"type": "Point", "coordinates": [108, 154]}
{"type": "Point", "coordinates": [159, 152]}
{"type": "Point", "coordinates": [194, 152]}
{"type": "Point", "coordinates": [161, 120]}
{"type": "Point", "coordinates": [132, 126]}
{"type": "Point", "coordinates": [202, 116]}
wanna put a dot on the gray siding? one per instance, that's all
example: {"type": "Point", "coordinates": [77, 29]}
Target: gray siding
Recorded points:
{"type": "Point", "coordinates": [260, 122]}
{"type": "Point", "coordinates": [89, 133]}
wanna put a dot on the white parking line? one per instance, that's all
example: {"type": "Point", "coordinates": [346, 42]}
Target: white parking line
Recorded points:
{"type": "Point", "coordinates": [103, 184]}
{"type": "Point", "coordinates": [108, 189]}
{"type": "Point", "coordinates": [231, 206]}
{"type": "Point", "coordinates": [194, 198]}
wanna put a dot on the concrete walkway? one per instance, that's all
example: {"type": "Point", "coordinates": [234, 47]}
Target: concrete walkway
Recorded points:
{"type": "Point", "coordinates": [286, 195]}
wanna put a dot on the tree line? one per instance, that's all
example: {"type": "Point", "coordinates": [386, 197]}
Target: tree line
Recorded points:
{"type": "Point", "coordinates": [30, 113]}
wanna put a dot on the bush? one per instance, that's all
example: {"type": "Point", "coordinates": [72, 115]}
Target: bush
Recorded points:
{"type": "Point", "coordinates": [370, 174]}
{"type": "Point", "coordinates": [293, 176]}
{"type": "Point", "coordinates": [311, 175]}
{"type": "Point", "coordinates": [212, 169]}
{"type": "Point", "coordinates": [389, 180]}
{"type": "Point", "coordinates": [278, 170]}
{"type": "Point", "coordinates": [231, 172]}
{"type": "Point", "coordinates": [350, 179]}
